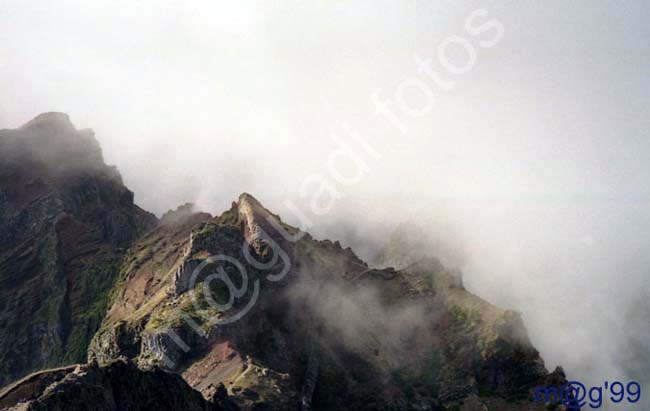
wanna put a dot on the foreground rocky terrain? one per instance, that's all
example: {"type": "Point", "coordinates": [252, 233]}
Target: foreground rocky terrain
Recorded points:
{"type": "Point", "coordinates": [237, 311]}
{"type": "Point", "coordinates": [119, 386]}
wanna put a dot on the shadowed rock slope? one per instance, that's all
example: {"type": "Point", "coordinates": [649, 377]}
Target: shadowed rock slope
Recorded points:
{"type": "Point", "coordinates": [66, 220]}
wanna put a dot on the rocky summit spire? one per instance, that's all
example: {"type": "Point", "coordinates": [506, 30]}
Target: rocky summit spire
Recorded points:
{"type": "Point", "coordinates": [253, 214]}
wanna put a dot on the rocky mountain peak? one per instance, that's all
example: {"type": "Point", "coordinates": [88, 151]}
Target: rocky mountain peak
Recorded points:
{"type": "Point", "coordinates": [253, 214]}
{"type": "Point", "coordinates": [52, 144]}
{"type": "Point", "coordinates": [331, 332]}
{"type": "Point", "coordinates": [50, 121]}
{"type": "Point", "coordinates": [251, 210]}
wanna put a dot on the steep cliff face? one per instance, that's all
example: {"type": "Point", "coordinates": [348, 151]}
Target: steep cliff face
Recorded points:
{"type": "Point", "coordinates": [66, 220]}
{"type": "Point", "coordinates": [285, 321]}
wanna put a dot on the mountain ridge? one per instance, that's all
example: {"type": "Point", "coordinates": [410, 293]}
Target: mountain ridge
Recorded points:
{"type": "Point", "coordinates": [290, 322]}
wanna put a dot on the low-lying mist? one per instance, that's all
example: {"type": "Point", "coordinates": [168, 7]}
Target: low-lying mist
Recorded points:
{"type": "Point", "coordinates": [359, 320]}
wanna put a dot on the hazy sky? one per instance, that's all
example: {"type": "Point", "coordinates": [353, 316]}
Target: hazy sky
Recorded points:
{"type": "Point", "coordinates": [539, 153]}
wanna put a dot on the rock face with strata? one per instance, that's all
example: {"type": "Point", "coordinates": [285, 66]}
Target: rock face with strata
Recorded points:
{"type": "Point", "coordinates": [66, 220]}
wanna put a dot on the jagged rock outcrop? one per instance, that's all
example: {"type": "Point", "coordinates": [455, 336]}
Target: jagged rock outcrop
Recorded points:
{"type": "Point", "coordinates": [66, 220]}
